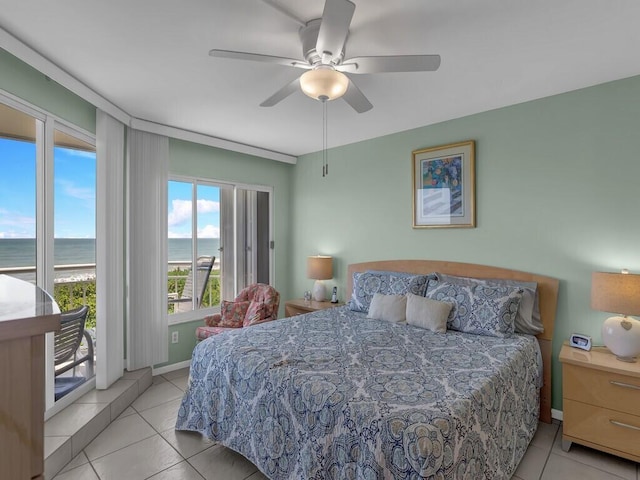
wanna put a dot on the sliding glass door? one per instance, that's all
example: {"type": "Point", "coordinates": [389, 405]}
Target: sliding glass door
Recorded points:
{"type": "Point", "coordinates": [219, 241]}
{"type": "Point", "coordinates": [47, 222]}
{"type": "Point", "coordinates": [74, 253]}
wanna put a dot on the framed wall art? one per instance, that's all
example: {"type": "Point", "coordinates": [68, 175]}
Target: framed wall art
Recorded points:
{"type": "Point", "coordinates": [444, 186]}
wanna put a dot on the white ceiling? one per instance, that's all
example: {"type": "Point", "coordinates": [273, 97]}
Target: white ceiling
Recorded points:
{"type": "Point", "coordinates": [150, 58]}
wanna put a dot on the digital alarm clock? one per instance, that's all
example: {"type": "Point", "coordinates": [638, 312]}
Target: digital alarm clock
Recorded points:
{"type": "Point", "coordinates": [579, 340]}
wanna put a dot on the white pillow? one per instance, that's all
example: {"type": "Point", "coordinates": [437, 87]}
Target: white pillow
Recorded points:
{"type": "Point", "coordinates": [427, 313]}
{"type": "Point", "coordinates": [391, 308]}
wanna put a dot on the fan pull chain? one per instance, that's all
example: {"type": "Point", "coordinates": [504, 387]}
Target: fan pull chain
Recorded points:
{"type": "Point", "coordinates": [325, 161]}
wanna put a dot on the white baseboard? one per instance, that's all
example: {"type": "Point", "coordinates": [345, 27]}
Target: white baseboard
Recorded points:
{"type": "Point", "coordinates": [176, 366]}
{"type": "Point", "coordinates": [556, 414]}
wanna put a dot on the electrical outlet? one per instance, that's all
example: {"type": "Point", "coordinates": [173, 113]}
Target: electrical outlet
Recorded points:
{"type": "Point", "coordinates": [174, 337]}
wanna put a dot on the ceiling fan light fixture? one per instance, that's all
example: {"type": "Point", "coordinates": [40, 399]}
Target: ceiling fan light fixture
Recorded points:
{"type": "Point", "coordinates": [324, 83]}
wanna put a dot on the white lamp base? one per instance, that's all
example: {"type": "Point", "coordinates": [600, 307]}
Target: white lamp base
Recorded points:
{"type": "Point", "coordinates": [621, 335]}
{"type": "Point", "coordinates": [319, 291]}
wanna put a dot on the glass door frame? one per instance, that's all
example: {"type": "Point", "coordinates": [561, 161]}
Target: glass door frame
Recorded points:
{"type": "Point", "coordinates": [52, 125]}
{"type": "Point", "coordinates": [45, 126]}
{"type": "Point", "coordinates": [235, 187]}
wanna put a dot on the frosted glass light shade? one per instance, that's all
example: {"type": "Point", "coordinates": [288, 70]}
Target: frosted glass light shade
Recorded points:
{"type": "Point", "coordinates": [324, 83]}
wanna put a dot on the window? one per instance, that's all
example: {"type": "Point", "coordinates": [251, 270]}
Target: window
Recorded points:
{"type": "Point", "coordinates": [47, 217]}
{"type": "Point", "coordinates": [221, 232]}
{"type": "Point", "coordinates": [18, 193]}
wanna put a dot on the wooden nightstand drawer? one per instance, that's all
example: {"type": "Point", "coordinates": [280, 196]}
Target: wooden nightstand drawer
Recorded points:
{"type": "Point", "coordinates": [603, 389]}
{"type": "Point", "coordinates": [601, 426]}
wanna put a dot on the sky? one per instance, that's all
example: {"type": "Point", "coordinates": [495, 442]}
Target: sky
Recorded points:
{"type": "Point", "coordinates": [180, 210]}
{"type": "Point", "coordinates": [75, 196]}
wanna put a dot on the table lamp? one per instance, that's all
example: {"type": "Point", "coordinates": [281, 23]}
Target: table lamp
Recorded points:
{"type": "Point", "coordinates": [618, 293]}
{"type": "Point", "coordinates": [319, 268]}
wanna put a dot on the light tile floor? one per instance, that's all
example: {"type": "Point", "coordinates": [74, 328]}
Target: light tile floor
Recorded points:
{"type": "Point", "coordinates": [142, 444]}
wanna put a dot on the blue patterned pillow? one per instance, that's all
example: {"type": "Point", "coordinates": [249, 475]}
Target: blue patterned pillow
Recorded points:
{"type": "Point", "coordinates": [479, 309]}
{"type": "Point", "coordinates": [367, 284]}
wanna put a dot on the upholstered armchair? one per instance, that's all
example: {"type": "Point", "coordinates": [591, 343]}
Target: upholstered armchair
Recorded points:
{"type": "Point", "coordinates": [257, 303]}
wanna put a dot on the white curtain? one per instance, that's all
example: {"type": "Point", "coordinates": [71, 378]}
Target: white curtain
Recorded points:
{"type": "Point", "coordinates": [147, 251]}
{"type": "Point", "coordinates": [110, 241]}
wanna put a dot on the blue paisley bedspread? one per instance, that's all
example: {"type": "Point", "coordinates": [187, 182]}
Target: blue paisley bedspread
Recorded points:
{"type": "Point", "coordinates": [334, 395]}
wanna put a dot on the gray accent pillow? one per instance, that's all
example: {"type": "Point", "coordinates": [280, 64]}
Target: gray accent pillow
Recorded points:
{"type": "Point", "coordinates": [426, 313]}
{"type": "Point", "coordinates": [479, 309]}
{"type": "Point", "coordinates": [391, 308]}
{"type": "Point", "coordinates": [528, 316]}
{"type": "Point", "coordinates": [367, 284]}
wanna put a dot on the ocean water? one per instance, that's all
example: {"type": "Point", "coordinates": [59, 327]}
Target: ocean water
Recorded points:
{"type": "Point", "coordinates": [21, 252]}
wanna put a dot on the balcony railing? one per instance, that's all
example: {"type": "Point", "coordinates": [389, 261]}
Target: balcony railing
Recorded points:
{"type": "Point", "coordinates": [75, 285]}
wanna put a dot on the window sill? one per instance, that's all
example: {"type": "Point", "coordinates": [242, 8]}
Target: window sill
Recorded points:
{"type": "Point", "coordinates": [193, 316]}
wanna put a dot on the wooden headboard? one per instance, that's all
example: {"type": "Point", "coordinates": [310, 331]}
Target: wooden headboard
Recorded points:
{"type": "Point", "coordinates": [547, 297]}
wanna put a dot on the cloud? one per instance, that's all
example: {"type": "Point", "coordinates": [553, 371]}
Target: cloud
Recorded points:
{"type": "Point", "coordinates": [81, 193]}
{"type": "Point", "coordinates": [17, 221]}
{"type": "Point", "coordinates": [181, 210]}
{"type": "Point", "coordinates": [16, 235]}
{"type": "Point", "coordinates": [209, 231]}
{"type": "Point", "coordinates": [179, 234]}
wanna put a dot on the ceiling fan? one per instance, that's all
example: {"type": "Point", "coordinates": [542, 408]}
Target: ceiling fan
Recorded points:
{"type": "Point", "coordinates": [323, 48]}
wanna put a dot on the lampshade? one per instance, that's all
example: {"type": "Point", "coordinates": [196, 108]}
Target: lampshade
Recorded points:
{"type": "Point", "coordinates": [615, 293]}
{"type": "Point", "coordinates": [324, 83]}
{"type": "Point", "coordinates": [618, 293]}
{"type": "Point", "coordinates": [320, 267]}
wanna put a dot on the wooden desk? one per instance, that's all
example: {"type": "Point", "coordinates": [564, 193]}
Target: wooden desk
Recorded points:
{"type": "Point", "coordinates": [26, 314]}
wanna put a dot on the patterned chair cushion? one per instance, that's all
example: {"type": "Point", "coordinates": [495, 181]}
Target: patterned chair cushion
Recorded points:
{"type": "Point", "coordinates": [212, 320]}
{"type": "Point", "coordinates": [479, 309]}
{"type": "Point", "coordinates": [233, 314]}
{"type": "Point", "coordinates": [256, 313]}
{"type": "Point", "coordinates": [367, 284]}
{"type": "Point", "coordinates": [255, 304]}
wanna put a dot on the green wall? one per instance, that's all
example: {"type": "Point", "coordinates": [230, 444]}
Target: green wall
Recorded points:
{"type": "Point", "coordinates": [21, 80]}
{"type": "Point", "coordinates": [555, 184]}
{"type": "Point", "coordinates": [190, 159]}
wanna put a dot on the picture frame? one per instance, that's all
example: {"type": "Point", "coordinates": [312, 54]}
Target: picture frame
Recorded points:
{"type": "Point", "coordinates": [443, 189]}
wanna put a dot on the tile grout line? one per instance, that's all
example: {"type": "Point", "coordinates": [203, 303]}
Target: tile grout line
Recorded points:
{"type": "Point", "coordinates": [546, 460]}
{"type": "Point", "coordinates": [109, 404]}
{"type": "Point", "coordinates": [567, 457]}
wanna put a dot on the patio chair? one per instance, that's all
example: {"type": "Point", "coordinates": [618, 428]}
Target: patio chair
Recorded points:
{"type": "Point", "coordinates": [183, 303]}
{"type": "Point", "coordinates": [67, 354]}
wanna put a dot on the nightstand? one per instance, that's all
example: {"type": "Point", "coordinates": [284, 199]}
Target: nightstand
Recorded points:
{"type": "Point", "coordinates": [600, 402]}
{"type": "Point", "coordinates": [300, 306]}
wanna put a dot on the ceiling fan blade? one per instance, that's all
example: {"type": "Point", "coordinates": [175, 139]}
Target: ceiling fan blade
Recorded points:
{"type": "Point", "coordinates": [281, 94]}
{"type": "Point", "coordinates": [256, 57]}
{"type": "Point", "coordinates": [356, 99]}
{"type": "Point", "coordinates": [393, 63]}
{"type": "Point", "coordinates": [334, 27]}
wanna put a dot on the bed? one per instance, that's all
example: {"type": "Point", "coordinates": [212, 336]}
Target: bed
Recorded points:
{"type": "Point", "coordinates": [334, 395]}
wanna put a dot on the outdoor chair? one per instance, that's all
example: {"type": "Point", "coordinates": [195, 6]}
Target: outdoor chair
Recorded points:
{"type": "Point", "coordinates": [67, 354]}
{"type": "Point", "coordinates": [183, 303]}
